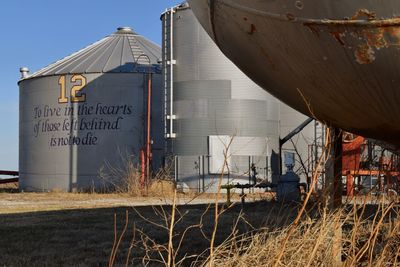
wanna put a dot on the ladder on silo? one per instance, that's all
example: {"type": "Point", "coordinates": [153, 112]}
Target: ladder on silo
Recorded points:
{"type": "Point", "coordinates": [319, 152]}
{"type": "Point", "coordinates": [168, 72]}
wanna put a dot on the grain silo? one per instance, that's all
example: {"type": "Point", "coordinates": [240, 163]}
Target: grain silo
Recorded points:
{"type": "Point", "coordinates": [215, 114]}
{"type": "Point", "coordinates": [88, 112]}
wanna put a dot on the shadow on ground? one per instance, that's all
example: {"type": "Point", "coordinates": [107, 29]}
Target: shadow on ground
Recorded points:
{"type": "Point", "coordinates": [85, 237]}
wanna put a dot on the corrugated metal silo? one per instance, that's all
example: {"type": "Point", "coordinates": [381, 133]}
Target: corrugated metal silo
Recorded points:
{"type": "Point", "coordinates": [210, 103]}
{"type": "Point", "coordinates": [88, 111]}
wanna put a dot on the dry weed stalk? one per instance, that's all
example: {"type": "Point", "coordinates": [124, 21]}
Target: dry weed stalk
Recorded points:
{"type": "Point", "coordinates": [217, 211]}
{"type": "Point", "coordinates": [117, 241]}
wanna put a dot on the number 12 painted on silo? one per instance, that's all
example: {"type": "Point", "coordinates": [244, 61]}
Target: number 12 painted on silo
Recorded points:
{"type": "Point", "coordinates": [76, 95]}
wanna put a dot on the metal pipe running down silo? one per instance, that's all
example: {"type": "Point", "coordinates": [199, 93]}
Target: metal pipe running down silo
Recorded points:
{"type": "Point", "coordinates": [148, 140]}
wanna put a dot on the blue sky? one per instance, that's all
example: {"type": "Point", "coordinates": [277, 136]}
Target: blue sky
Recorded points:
{"type": "Point", "coordinates": [37, 33]}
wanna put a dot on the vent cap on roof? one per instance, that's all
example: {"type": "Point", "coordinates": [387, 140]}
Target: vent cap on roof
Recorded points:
{"type": "Point", "coordinates": [124, 30]}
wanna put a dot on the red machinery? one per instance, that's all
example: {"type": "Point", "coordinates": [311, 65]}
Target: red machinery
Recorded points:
{"type": "Point", "coordinates": [357, 162]}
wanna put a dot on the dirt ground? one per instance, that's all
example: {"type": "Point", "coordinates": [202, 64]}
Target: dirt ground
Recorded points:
{"type": "Point", "coordinates": [59, 229]}
{"type": "Point", "coordinates": [35, 202]}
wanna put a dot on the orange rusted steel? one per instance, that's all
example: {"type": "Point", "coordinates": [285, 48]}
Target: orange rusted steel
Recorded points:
{"type": "Point", "coordinates": [350, 185]}
{"type": "Point", "coordinates": [352, 153]}
{"type": "Point", "coordinates": [362, 172]}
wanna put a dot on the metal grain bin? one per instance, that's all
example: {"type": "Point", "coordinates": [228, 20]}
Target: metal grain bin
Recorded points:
{"type": "Point", "coordinates": [212, 108]}
{"type": "Point", "coordinates": [86, 113]}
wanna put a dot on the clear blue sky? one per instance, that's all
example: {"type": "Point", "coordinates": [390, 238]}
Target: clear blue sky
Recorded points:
{"type": "Point", "coordinates": [37, 33]}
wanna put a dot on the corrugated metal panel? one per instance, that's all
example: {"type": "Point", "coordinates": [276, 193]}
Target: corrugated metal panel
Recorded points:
{"type": "Point", "coordinates": [198, 58]}
{"type": "Point", "coordinates": [215, 89]}
{"type": "Point", "coordinates": [119, 52]}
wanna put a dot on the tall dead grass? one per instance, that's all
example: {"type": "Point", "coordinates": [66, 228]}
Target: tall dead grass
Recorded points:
{"type": "Point", "coordinates": [126, 178]}
{"type": "Point", "coordinates": [366, 240]}
{"type": "Point", "coordinates": [356, 235]}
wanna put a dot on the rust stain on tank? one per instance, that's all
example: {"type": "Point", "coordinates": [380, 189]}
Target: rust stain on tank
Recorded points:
{"type": "Point", "coordinates": [363, 32]}
{"type": "Point", "coordinates": [394, 33]}
{"type": "Point", "coordinates": [290, 17]}
{"type": "Point", "coordinates": [364, 12]}
{"type": "Point", "coordinates": [339, 37]}
{"type": "Point", "coordinates": [375, 37]}
{"type": "Point", "coordinates": [313, 29]}
{"type": "Point", "coordinates": [364, 54]}
{"type": "Point", "coordinates": [253, 29]}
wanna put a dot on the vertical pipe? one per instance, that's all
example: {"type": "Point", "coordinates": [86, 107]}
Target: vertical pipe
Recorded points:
{"type": "Point", "coordinates": [171, 112]}
{"type": "Point", "coordinates": [280, 158]}
{"type": "Point", "coordinates": [148, 141]}
{"type": "Point", "coordinates": [350, 185]}
{"type": "Point", "coordinates": [334, 190]}
{"type": "Point", "coordinates": [249, 169]}
{"type": "Point", "coordinates": [199, 173]}
{"type": "Point", "coordinates": [203, 173]}
{"type": "Point", "coordinates": [176, 171]}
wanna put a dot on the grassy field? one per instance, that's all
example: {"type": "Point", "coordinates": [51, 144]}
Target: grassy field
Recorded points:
{"type": "Point", "coordinates": [58, 229]}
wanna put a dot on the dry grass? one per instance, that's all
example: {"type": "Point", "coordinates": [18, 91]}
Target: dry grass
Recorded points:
{"type": "Point", "coordinates": [369, 241]}
{"type": "Point", "coordinates": [357, 235]}
{"type": "Point", "coordinates": [124, 178]}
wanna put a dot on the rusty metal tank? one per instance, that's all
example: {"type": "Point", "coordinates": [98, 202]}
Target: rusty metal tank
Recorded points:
{"type": "Point", "coordinates": [338, 61]}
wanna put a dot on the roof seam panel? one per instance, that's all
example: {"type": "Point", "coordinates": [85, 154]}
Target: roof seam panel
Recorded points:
{"type": "Point", "coordinates": [105, 56]}
{"type": "Point", "coordinates": [112, 53]}
{"type": "Point", "coordinates": [38, 73]}
{"type": "Point", "coordinates": [74, 60]}
{"type": "Point", "coordinates": [92, 55]}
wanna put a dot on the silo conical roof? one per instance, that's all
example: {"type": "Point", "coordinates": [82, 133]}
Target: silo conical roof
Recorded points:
{"type": "Point", "coordinates": [121, 51]}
